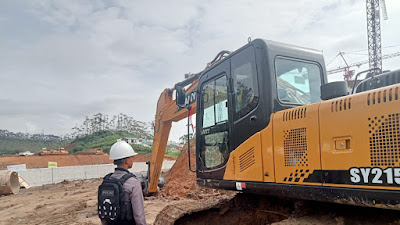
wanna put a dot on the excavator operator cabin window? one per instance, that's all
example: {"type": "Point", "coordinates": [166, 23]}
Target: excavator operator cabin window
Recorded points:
{"type": "Point", "coordinates": [298, 82]}
{"type": "Point", "coordinates": [215, 102]}
{"type": "Point", "coordinates": [216, 149]}
{"type": "Point", "coordinates": [214, 133]}
{"type": "Point", "coordinates": [245, 85]}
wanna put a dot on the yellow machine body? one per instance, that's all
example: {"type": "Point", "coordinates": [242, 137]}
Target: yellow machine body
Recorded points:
{"type": "Point", "coordinates": [351, 142]}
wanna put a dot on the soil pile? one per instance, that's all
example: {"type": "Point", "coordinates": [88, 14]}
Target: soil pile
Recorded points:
{"type": "Point", "coordinates": [32, 162]}
{"type": "Point", "coordinates": [180, 182]}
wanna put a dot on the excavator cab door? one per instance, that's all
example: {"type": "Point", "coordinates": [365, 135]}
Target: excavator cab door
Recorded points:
{"type": "Point", "coordinates": [213, 130]}
{"type": "Point", "coordinates": [228, 111]}
{"type": "Point", "coordinates": [247, 116]}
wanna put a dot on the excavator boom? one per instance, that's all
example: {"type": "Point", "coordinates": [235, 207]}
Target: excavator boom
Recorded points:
{"type": "Point", "coordinates": [167, 112]}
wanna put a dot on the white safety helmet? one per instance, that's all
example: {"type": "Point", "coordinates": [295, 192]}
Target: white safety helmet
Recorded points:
{"type": "Point", "coordinates": [121, 150]}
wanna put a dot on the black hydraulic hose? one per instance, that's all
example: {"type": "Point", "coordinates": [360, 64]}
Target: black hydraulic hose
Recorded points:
{"type": "Point", "coordinates": [197, 75]}
{"type": "Point", "coordinates": [188, 138]}
{"type": "Point", "coordinates": [222, 53]}
{"type": "Point", "coordinates": [187, 81]}
{"type": "Point", "coordinates": [148, 177]}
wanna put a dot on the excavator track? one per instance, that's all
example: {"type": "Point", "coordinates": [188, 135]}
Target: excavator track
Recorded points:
{"type": "Point", "coordinates": [255, 209]}
{"type": "Point", "coordinates": [173, 213]}
{"type": "Point", "coordinates": [231, 209]}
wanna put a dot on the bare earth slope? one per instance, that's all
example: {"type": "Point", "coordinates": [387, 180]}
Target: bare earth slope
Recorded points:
{"type": "Point", "coordinates": [180, 182]}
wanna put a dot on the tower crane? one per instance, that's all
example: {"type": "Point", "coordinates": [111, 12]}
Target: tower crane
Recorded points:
{"type": "Point", "coordinates": [374, 32]}
{"type": "Point", "coordinates": [348, 74]}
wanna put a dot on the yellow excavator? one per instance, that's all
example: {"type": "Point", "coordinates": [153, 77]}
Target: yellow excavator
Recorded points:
{"type": "Point", "coordinates": [268, 122]}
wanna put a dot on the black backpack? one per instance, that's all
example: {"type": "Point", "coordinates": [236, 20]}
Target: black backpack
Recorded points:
{"type": "Point", "coordinates": [112, 205]}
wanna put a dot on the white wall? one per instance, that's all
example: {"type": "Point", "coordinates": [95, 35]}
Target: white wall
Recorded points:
{"type": "Point", "coordinates": [38, 177]}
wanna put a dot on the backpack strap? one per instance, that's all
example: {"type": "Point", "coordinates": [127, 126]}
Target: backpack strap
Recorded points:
{"type": "Point", "coordinates": [125, 177]}
{"type": "Point", "coordinates": [107, 176]}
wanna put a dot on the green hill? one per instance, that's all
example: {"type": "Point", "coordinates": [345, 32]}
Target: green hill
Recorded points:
{"type": "Point", "coordinates": [14, 146]}
{"type": "Point", "coordinates": [104, 140]}
{"type": "Point", "coordinates": [12, 143]}
{"type": "Point", "coordinates": [96, 131]}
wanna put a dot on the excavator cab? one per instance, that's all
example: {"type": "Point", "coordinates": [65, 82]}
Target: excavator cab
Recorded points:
{"type": "Point", "coordinates": [238, 94]}
{"type": "Point", "coordinates": [269, 123]}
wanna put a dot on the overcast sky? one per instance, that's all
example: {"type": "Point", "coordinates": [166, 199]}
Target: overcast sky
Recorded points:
{"type": "Point", "coordinates": [63, 60]}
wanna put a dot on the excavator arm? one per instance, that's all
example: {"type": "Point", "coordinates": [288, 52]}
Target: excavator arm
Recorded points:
{"type": "Point", "coordinates": [167, 112]}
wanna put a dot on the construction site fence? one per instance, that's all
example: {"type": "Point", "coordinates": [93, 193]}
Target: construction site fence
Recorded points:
{"type": "Point", "coordinates": [42, 176]}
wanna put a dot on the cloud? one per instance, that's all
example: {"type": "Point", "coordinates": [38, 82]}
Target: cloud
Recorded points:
{"type": "Point", "coordinates": [64, 60]}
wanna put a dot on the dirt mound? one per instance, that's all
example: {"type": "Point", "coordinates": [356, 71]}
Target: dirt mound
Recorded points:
{"type": "Point", "coordinates": [32, 162]}
{"type": "Point", "coordinates": [180, 182]}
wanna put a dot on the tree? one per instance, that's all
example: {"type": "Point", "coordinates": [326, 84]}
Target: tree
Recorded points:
{"type": "Point", "coordinates": [120, 122]}
{"type": "Point", "coordinates": [183, 139]}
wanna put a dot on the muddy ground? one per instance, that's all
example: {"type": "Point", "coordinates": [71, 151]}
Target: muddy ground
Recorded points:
{"type": "Point", "coordinates": [64, 203]}
{"type": "Point", "coordinates": [181, 201]}
{"type": "Point", "coordinates": [75, 203]}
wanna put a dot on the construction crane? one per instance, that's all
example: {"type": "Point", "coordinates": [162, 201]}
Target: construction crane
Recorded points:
{"type": "Point", "coordinates": [374, 41]}
{"type": "Point", "coordinates": [374, 32]}
{"type": "Point", "coordinates": [348, 74]}
{"type": "Point", "coordinates": [346, 69]}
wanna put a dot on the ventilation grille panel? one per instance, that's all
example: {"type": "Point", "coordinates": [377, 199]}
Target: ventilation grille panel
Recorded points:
{"type": "Point", "coordinates": [295, 114]}
{"type": "Point", "coordinates": [385, 140]}
{"type": "Point", "coordinates": [341, 105]}
{"type": "Point", "coordinates": [295, 147]}
{"type": "Point", "coordinates": [378, 97]}
{"type": "Point", "coordinates": [246, 160]}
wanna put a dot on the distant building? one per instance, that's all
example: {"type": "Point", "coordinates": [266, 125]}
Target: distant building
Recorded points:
{"type": "Point", "coordinates": [129, 140]}
{"type": "Point", "coordinates": [137, 141]}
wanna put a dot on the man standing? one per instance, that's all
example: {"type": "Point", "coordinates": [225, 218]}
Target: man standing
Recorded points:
{"type": "Point", "coordinates": [122, 153]}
